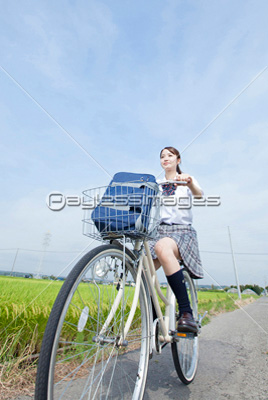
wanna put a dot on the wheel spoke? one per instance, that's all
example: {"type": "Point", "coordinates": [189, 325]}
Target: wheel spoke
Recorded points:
{"type": "Point", "coordinates": [83, 363]}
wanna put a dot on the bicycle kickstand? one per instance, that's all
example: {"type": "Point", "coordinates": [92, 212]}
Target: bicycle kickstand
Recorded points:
{"type": "Point", "coordinates": [200, 319]}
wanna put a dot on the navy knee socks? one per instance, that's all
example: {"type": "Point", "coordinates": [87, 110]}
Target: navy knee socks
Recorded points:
{"type": "Point", "coordinates": [177, 284]}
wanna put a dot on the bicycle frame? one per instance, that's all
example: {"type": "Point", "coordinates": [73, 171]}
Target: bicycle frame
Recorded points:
{"type": "Point", "coordinates": [167, 321]}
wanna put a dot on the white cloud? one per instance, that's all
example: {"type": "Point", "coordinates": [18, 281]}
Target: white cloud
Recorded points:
{"type": "Point", "coordinates": [123, 103]}
{"type": "Point", "coordinates": [88, 36]}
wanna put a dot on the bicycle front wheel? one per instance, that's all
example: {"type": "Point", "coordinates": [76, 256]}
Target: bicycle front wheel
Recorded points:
{"type": "Point", "coordinates": [84, 353]}
{"type": "Point", "coordinates": [185, 351]}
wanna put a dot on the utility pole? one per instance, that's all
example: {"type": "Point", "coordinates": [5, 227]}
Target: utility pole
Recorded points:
{"type": "Point", "coordinates": [46, 243]}
{"type": "Point", "coordinates": [234, 264]}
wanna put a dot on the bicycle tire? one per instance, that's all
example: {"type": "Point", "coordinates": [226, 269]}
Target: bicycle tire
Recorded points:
{"type": "Point", "coordinates": [185, 351]}
{"type": "Point", "coordinates": [73, 366]}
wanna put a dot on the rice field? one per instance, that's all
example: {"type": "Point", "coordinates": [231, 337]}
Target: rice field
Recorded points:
{"type": "Point", "coordinates": [25, 305]}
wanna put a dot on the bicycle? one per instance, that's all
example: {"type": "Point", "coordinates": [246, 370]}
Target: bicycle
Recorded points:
{"type": "Point", "coordinates": [101, 332]}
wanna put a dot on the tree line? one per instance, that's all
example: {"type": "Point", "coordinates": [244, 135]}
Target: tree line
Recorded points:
{"type": "Point", "coordinates": [256, 288]}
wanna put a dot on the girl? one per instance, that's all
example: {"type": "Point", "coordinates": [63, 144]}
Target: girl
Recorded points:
{"type": "Point", "coordinates": [176, 239]}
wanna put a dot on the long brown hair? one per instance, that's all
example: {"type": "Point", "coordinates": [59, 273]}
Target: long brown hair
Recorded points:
{"type": "Point", "coordinates": [176, 153]}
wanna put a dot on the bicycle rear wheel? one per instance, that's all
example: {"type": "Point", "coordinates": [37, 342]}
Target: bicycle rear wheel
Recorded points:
{"type": "Point", "coordinates": [81, 358]}
{"type": "Point", "coordinates": [185, 350]}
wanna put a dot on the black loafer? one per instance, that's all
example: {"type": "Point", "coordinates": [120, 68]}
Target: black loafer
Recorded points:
{"type": "Point", "coordinates": [186, 323]}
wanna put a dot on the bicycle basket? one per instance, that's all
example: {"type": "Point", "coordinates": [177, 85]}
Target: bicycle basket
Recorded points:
{"type": "Point", "coordinates": [128, 206]}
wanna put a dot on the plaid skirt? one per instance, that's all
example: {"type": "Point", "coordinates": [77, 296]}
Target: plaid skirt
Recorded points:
{"type": "Point", "coordinates": [186, 239]}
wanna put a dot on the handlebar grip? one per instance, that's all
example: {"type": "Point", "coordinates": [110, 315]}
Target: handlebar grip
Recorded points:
{"type": "Point", "coordinates": [173, 182]}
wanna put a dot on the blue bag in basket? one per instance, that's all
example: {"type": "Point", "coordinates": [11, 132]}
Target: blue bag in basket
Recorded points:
{"type": "Point", "coordinates": [126, 204]}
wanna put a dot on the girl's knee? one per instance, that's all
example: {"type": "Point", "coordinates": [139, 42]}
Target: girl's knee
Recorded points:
{"type": "Point", "coordinates": [160, 249]}
{"type": "Point", "coordinates": [163, 252]}
{"type": "Point", "coordinates": [166, 249]}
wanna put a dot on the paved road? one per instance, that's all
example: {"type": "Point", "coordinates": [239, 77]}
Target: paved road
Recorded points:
{"type": "Point", "coordinates": [233, 361]}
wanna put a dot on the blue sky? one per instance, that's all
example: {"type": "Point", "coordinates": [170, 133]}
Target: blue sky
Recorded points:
{"type": "Point", "coordinates": [125, 79]}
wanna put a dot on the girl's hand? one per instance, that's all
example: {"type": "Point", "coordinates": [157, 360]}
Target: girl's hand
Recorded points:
{"type": "Point", "coordinates": [189, 182]}
{"type": "Point", "coordinates": [184, 178]}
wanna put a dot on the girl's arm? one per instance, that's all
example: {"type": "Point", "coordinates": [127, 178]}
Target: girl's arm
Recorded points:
{"type": "Point", "coordinates": [196, 191]}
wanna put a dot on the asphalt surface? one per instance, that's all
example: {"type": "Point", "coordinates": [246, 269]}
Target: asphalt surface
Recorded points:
{"type": "Point", "coordinates": [233, 360]}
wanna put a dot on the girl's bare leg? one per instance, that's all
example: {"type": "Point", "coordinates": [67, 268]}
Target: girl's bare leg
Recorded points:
{"type": "Point", "coordinates": [167, 255]}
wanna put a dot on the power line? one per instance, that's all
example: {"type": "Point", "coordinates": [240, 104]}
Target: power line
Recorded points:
{"type": "Point", "coordinates": [41, 251]}
{"type": "Point", "coordinates": [228, 252]}
{"type": "Point", "coordinates": [78, 251]}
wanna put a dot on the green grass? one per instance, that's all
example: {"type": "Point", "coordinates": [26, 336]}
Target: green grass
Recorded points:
{"type": "Point", "coordinates": [25, 305]}
{"type": "Point", "coordinates": [218, 302]}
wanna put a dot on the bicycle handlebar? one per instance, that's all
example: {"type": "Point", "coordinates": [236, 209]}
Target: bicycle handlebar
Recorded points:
{"type": "Point", "coordinates": [173, 182]}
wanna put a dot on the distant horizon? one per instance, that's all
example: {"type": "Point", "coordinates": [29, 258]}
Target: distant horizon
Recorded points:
{"type": "Point", "coordinates": [8, 274]}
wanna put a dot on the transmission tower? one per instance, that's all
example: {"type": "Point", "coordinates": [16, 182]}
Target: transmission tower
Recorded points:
{"type": "Point", "coordinates": [46, 242]}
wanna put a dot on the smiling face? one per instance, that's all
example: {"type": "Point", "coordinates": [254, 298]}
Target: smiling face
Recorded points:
{"type": "Point", "coordinates": [168, 160]}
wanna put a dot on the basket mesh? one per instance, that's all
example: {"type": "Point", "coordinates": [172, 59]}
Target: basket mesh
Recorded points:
{"type": "Point", "coordinates": [121, 210]}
